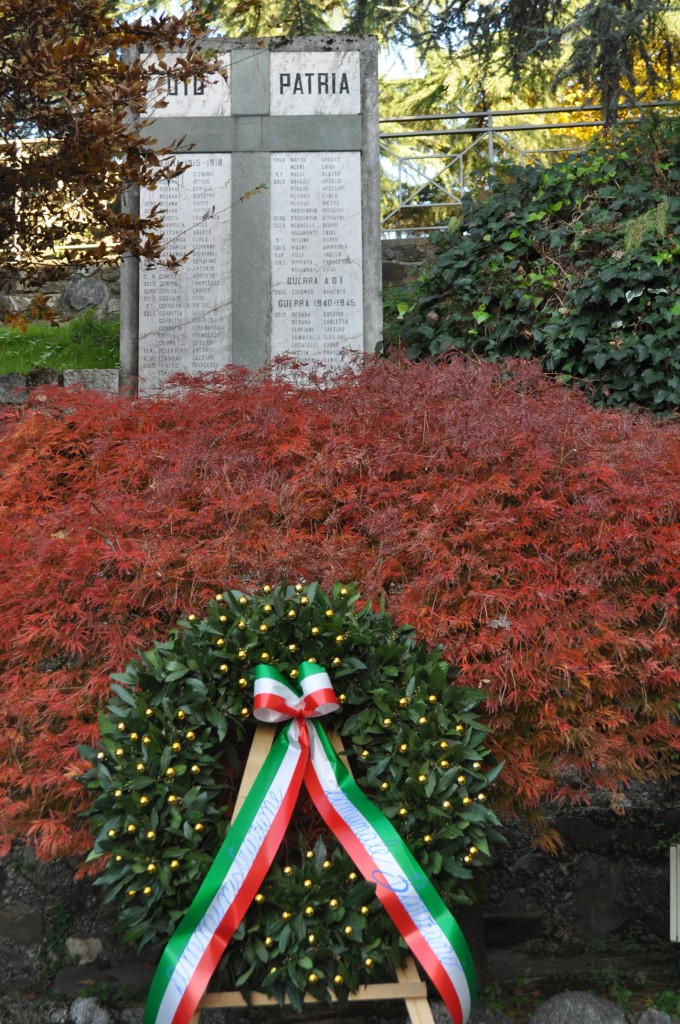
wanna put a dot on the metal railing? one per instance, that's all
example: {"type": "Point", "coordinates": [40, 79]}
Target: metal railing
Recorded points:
{"type": "Point", "coordinates": [426, 170]}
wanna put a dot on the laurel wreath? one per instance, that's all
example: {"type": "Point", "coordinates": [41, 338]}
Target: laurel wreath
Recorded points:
{"type": "Point", "coordinates": [174, 739]}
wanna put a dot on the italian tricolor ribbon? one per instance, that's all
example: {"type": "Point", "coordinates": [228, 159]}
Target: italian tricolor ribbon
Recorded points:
{"type": "Point", "coordinates": [302, 751]}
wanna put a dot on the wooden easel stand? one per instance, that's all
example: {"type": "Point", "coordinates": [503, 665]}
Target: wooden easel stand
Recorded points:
{"type": "Point", "coordinates": [408, 987]}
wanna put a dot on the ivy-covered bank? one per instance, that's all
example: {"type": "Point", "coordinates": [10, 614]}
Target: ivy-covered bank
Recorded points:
{"type": "Point", "coordinates": [576, 265]}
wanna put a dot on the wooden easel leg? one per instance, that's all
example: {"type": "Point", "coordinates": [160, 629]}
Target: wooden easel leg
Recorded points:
{"type": "Point", "coordinates": [196, 1017]}
{"type": "Point", "coordinates": [417, 1007]}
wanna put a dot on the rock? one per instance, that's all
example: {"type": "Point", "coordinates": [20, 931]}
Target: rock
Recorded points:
{"type": "Point", "coordinates": [12, 389]}
{"type": "Point", "coordinates": [87, 1010]}
{"type": "Point", "coordinates": [602, 903]}
{"type": "Point", "coordinates": [577, 1008]}
{"type": "Point", "coordinates": [21, 923]}
{"type": "Point", "coordinates": [93, 380]}
{"type": "Point", "coordinates": [85, 951]}
{"type": "Point", "coordinates": [40, 376]}
{"type": "Point", "coordinates": [488, 1015]}
{"type": "Point", "coordinates": [85, 293]}
{"type": "Point", "coordinates": [652, 1016]}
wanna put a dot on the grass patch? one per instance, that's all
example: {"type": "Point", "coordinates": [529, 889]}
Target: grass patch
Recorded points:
{"type": "Point", "coordinates": [81, 344]}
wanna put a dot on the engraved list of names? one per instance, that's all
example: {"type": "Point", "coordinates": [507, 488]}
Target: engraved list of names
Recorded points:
{"type": "Point", "coordinates": [316, 254]}
{"type": "Point", "coordinates": [185, 315]}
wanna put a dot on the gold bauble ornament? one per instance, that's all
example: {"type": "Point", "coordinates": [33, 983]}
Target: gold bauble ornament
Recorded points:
{"type": "Point", "coordinates": [176, 746]}
{"type": "Point", "coordinates": [292, 614]}
{"type": "Point", "coordinates": [111, 833]}
{"type": "Point", "coordinates": [403, 811]}
{"type": "Point", "coordinates": [403, 702]}
{"type": "Point", "coordinates": [266, 589]}
{"type": "Point", "coordinates": [181, 715]}
{"type": "Point", "coordinates": [132, 892]}
{"type": "Point", "coordinates": [223, 618]}
{"type": "Point", "coordinates": [338, 979]}
{"type": "Point", "coordinates": [315, 630]}
{"type": "Point", "coordinates": [342, 698]}
{"type": "Point", "coordinates": [304, 600]}
{"type": "Point", "coordinates": [309, 911]}
{"type": "Point", "coordinates": [329, 613]}
{"type": "Point", "coordinates": [446, 805]}
{"type": "Point", "coordinates": [150, 834]}
{"type": "Point", "coordinates": [172, 799]}
{"type": "Point", "coordinates": [119, 751]}
{"type": "Point", "coordinates": [312, 978]}
{"type": "Point", "coordinates": [473, 850]}
{"type": "Point", "coordinates": [174, 864]}
{"type": "Point", "coordinates": [101, 755]}
{"type": "Point", "coordinates": [243, 682]}
{"type": "Point", "coordinates": [432, 698]}
{"type": "Point", "coordinates": [224, 667]}
{"type": "Point", "coordinates": [294, 673]}
{"type": "Point", "coordinates": [460, 779]}
{"type": "Point", "coordinates": [467, 859]}
{"type": "Point", "coordinates": [344, 591]}
{"type": "Point", "coordinates": [191, 618]}
{"type": "Point", "coordinates": [364, 754]}
{"type": "Point", "coordinates": [308, 883]}
{"type": "Point", "coordinates": [149, 712]}
{"type": "Point", "coordinates": [140, 766]}
{"type": "Point", "coordinates": [444, 745]}
{"type": "Point", "coordinates": [311, 940]}
{"type": "Point", "coordinates": [292, 648]}
{"type": "Point", "coordinates": [241, 624]}
{"type": "Point", "coordinates": [121, 727]}
{"type": "Point", "coordinates": [326, 865]}
{"type": "Point", "coordinates": [143, 800]}
{"type": "Point", "coordinates": [131, 828]}
{"type": "Point", "coordinates": [267, 609]}
{"type": "Point", "coordinates": [243, 600]}
{"type": "Point", "coordinates": [309, 854]}
{"type": "Point", "coordinates": [195, 769]}
{"type": "Point", "coordinates": [170, 772]}
{"type": "Point", "coordinates": [118, 792]}
{"type": "Point", "coordinates": [352, 876]}
{"type": "Point", "coordinates": [199, 826]}
{"type": "Point", "coordinates": [312, 661]}
{"type": "Point", "coordinates": [422, 778]}
{"type": "Point", "coordinates": [403, 747]}
{"type": "Point", "coordinates": [288, 870]}
{"type": "Point", "coordinates": [299, 588]}
{"type": "Point", "coordinates": [427, 839]}
{"type": "Point", "coordinates": [190, 735]}
{"type": "Point", "coordinates": [333, 904]}
{"type": "Point", "coordinates": [368, 962]}
{"type": "Point", "coordinates": [422, 720]}
{"type": "Point", "coordinates": [336, 662]}
{"type": "Point", "coordinates": [118, 858]}
{"type": "Point", "coordinates": [259, 898]}
{"type": "Point", "coordinates": [481, 797]}
{"type": "Point", "coordinates": [147, 890]}
{"type": "Point", "coordinates": [384, 786]}
{"type": "Point", "coordinates": [444, 763]}
{"type": "Point", "coordinates": [273, 970]}
{"type": "Point", "coordinates": [467, 801]}
{"type": "Point", "coordinates": [245, 713]}
{"type": "Point", "coordinates": [134, 735]}
{"type": "Point", "coordinates": [146, 740]}
{"type": "Point", "coordinates": [364, 911]}
{"type": "Point", "coordinates": [348, 930]}
{"type": "Point", "coordinates": [242, 655]}
{"type": "Point", "coordinates": [340, 639]}
{"type": "Point", "coordinates": [151, 868]}
{"type": "Point", "coordinates": [219, 597]}
{"type": "Point", "coordinates": [460, 728]}
{"type": "Point", "coordinates": [286, 915]}
{"type": "Point", "coordinates": [269, 942]}
{"type": "Point", "coordinates": [264, 656]}
{"type": "Point", "coordinates": [387, 722]}
{"type": "Point", "coordinates": [476, 765]}
{"type": "Point", "coordinates": [263, 627]}
{"type": "Point", "coordinates": [219, 642]}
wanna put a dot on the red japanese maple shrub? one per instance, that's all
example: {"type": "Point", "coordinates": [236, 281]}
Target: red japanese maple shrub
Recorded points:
{"type": "Point", "coordinates": [535, 537]}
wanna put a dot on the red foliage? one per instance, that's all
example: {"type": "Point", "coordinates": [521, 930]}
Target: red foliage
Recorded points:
{"type": "Point", "coordinates": [532, 535]}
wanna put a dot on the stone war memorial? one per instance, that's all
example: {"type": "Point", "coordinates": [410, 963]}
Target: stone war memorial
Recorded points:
{"type": "Point", "coordinates": [278, 209]}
